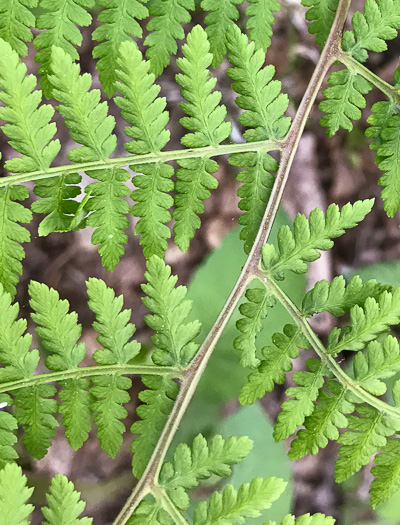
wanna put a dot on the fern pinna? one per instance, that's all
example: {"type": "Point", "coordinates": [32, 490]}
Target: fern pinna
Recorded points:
{"type": "Point", "coordinates": [134, 41]}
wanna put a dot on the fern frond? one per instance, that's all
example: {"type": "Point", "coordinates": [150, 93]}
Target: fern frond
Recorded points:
{"type": "Point", "coordinates": [386, 472]}
{"type": "Point", "coordinates": [90, 126]}
{"type": "Point", "coordinates": [264, 106]}
{"type": "Point", "coordinates": [324, 422]}
{"type": "Point", "coordinates": [344, 98]}
{"type": "Point", "coordinates": [193, 464]}
{"type": "Point", "coordinates": [381, 112]}
{"type": "Point", "coordinates": [206, 119]}
{"type": "Point", "coordinates": [8, 426]}
{"type": "Point", "coordinates": [321, 15]}
{"type": "Point", "coordinates": [119, 19]}
{"type": "Point", "coordinates": [219, 20]}
{"type": "Point", "coordinates": [60, 331]}
{"type": "Point", "coordinates": [380, 22]}
{"type": "Point", "coordinates": [337, 298]}
{"type": "Point", "coordinates": [158, 402]}
{"type": "Point", "coordinates": [305, 519]}
{"type": "Point", "coordinates": [309, 235]}
{"type": "Point", "coordinates": [145, 111]}
{"type": "Point", "coordinates": [233, 506]}
{"type": "Point", "coordinates": [65, 507]}
{"type": "Point", "coordinates": [115, 333]}
{"type": "Point", "coordinates": [174, 340]}
{"type": "Point", "coordinates": [259, 22]}
{"type": "Point", "coordinates": [275, 363]}
{"type": "Point", "coordinates": [166, 28]}
{"type": "Point", "coordinates": [14, 495]}
{"type": "Point", "coordinates": [60, 19]}
{"type": "Point", "coordinates": [366, 323]}
{"type": "Point", "coordinates": [254, 310]}
{"type": "Point", "coordinates": [294, 411]}
{"type": "Point", "coordinates": [12, 234]}
{"type": "Point", "coordinates": [367, 434]}
{"type": "Point", "coordinates": [16, 18]}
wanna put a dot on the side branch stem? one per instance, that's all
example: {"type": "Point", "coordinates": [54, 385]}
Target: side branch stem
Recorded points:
{"type": "Point", "coordinates": [249, 270]}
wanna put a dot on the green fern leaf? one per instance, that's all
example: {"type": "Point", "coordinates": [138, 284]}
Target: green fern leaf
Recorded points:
{"type": "Point", "coordinates": [14, 494]}
{"type": "Point", "coordinates": [321, 15]}
{"type": "Point", "coordinates": [380, 22]}
{"type": "Point", "coordinates": [166, 28]}
{"type": "Point", "coordinates": [261, 18]}
{"type": "Point", "coordinates": [206, 119]}
{"type": "Point", "coordinates": [150, 512]}
{"type": "Point", "coordinates": [219, 20]}
{"type": "Point", "coordinates": [324, 422]}
{"type": "Point", "coordinates": [158, 402]}
{"type": "Point", "coordinates": [193, 464]}
{"type": "Point", "coordinates": [60, 331]}
{"type": "Point", "coordinates": [337, 298]}
{"type": "Point", "coordinates": [343, 100]}
{"type": "Point", "coordinates": [305, 519]}
{"type": "Point", "coordinates": [65, 507]}
{"type": "Point", "coordinates": [89, 125]}
{"type": "Point", "coordinates": [59, 19]}
{"type": "Point", "coordinates": [8, 426]}
{"type": "Point", "coordinates": [378, 120]}
{"type": "Point", "coordinates": [264, 106]}
{"type": "Point", "coordinates": [254, 310]}
{"type": "Point", "coordinates": [12, 234]}
{"type": "Point", "coordinates": [119, 19]}
{"type": "Point", "coordinates": [16, 18]}
{"type": "Point", "coordinates": [145, 111]}
{"type": "Point", "coordinates": [309, 235]}
{"type": "Point", "coordinates": [232, 507]}
{"type": "Point", "coordinates": [367, 433]}
{"type": "Point", "coordinates": [174, 340]}
{"type": "Point", "coordinates": [294, 411]}
{"type": "Point", "coordinates": [387, 473]}
{"type": "Point", "coordinates": [274, 365]}
{"type": "Point", "coordinates": [366, 323]}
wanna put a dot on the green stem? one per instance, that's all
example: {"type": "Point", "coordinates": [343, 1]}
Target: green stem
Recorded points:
{"type": "Point", "coordinates": [319, 348]}
{"type": "Point", "coordinates": [161, 495]}
{"type": "Point", "coordinates": [356, 67]}
{"type": "Point", "coordinates": [90, 371]}
{"type": "Point", "coordinates": [149, 158]}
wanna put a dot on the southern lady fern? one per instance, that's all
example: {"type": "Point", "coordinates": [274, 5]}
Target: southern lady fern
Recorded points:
{"type": "Point", "coordinates": [64, 382]}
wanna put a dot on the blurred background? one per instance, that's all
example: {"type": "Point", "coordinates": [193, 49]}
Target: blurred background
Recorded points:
{"type": "Point", "coordinates": [325, 170]}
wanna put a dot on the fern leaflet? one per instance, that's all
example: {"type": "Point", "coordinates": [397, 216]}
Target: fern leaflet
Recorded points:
{"type": "Point", "coordinates": [65, 507]}
{"type": "Point", "coordinates": [386, 472]}
{"type": "Point", "coordinates": [306, 519]}
{"type": "Point", "coordinates": [8, 426]}
{"type": "Point", "coordinates": [14, 494]}
{"type": "Point", "coordinates": [16, 18]}
{"type": "Point", "coordinates": [261, 18]}
{"type": "Point", "coordinates": [321, 15]}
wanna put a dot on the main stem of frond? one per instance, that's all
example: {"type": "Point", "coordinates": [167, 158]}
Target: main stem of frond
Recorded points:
{"type": "Point", "coordinates": [249, 270]}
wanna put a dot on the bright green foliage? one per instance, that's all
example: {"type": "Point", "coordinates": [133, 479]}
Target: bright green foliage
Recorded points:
{"type": "Point", "coordinates": [150, 512]}
{"type": "Point", "coordinates": [12, 234]}
{"type": "Point", "coordinates": [219, 20]}
{"type": "Point", "coordinates": [158, 402]}
{"type": "Point", "coordinates": [60, 18]}
{"type": "Point", "coordinates": [275, 363]}
{"type": "Point", "coordinates": [366, 323]}
{"type": "Point", "coordinates": [344, 98]}
{"type": "Point", "coordinates": [145, 111]}
{"type": "Point", "coordinates": [380, 22]}
{"type": "Point", "coordinates": [386, 472]}
{"type": "Point", "coordinates": [309, 235]}
{"type": "Point", "coordinates": [378, 120]}
{"type": "Point", "coordinates": [233, 506]}
{"type": "Point", "coordinates": [8, 426]}
{"type": "Point", "coordinates": [65, 507]}
{"type": "Point", "coordinates": [254, 310]}
{"type": "Point", "coordinates": [337, 298]}
{"type": "Point", "coordinates": [324, 422]}
{"type": "Point", "coordinates": [15, 20]}
{"type": "Point", "coordinates": [119, 19]}
{"type": "Point", "coordinates": [321, 15]}
{"type": "Point", "coordinates": [166, 28]}
{"type": "Point", "coordinates": [206, 119]}
{"type": "Point", "coordinates": [366, 435]}
{"type": "Point", "coordinates": [14, 494]}
{"type": "Point", "coordinates": [306, 519]}
{"type": "Point", "coordinates": [264, 106]}
{"type": "Point", "coordinates": [261, 18]}
{"type": "Point", "coordinates": [174, 340]}
{"type": "Point", "coordinates": [294, 411]}
{"type": "Point", "coordinates": [193, 464]}
{"type": "Point", "coordinates": [60, 331]}
{"type": "Point", "coordinates": [90, 126]}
